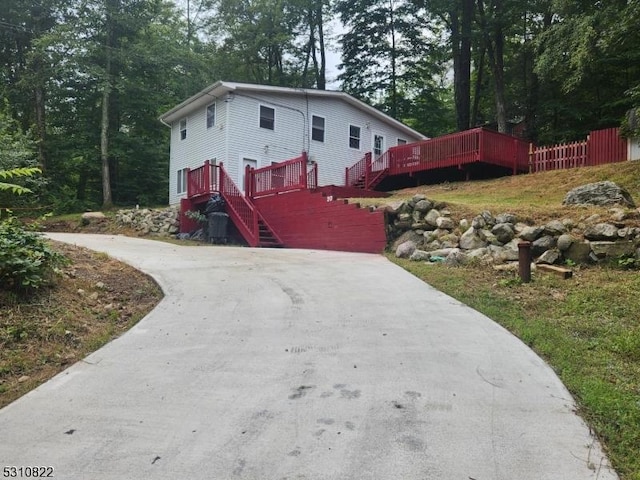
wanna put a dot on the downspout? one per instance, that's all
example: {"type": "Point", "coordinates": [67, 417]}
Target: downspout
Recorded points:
{"type": "Point", "coordinates": [227, 102]}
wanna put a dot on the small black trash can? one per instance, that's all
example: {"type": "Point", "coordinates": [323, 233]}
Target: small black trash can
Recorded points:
{"type": "Point", "coordinates": [217, 227]}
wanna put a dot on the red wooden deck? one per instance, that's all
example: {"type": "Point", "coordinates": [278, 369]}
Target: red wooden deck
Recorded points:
{"type": "Point", "coordinates": [478, 145]}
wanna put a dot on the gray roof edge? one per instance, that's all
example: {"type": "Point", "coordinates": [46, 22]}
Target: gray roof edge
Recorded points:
{"type": "Point", "coordinates": [226, 87]}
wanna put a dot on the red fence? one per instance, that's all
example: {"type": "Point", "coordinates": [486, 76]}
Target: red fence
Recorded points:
{"type": "Point", "coordinates": [600, 147]}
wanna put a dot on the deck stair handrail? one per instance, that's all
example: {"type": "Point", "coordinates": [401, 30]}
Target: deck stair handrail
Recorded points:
{"type": "Point", "coordinates": [244, 214]}
{"type": "Point", "coordinates": [279, 178]}
{"type": "Point", "coordinates": [359, 171]}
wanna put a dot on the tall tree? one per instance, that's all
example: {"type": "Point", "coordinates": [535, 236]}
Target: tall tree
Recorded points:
{"type": "Point", "coordinates": [382, 44]}
{"type": "Point", "coordinates": [457, 18]}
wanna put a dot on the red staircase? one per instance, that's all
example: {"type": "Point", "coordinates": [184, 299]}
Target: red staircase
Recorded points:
{"type": "Point", "coordinates": [251, 225]}
{"type": "Point", "coordinates": [280, 199]}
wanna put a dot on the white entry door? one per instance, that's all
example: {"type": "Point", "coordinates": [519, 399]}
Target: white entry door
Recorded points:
{"type": "Point", "coordinates": [252, 163]}
{"type": "Point", "coordinates": [378, 145]}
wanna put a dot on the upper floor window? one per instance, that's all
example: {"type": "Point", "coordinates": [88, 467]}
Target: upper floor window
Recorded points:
{"type": "Point", "coordinates": [211, 115]}
{"type": "Point", "coordinates": [317, 128]}
{"type": "Point", "coordinates": [402, 141]}
{"type": "Point", "coordinates": [183, 129]}
{"type": "Point", "coordinates": [354, 137]}
{"type": "Point", "coordinates": [267, 117]}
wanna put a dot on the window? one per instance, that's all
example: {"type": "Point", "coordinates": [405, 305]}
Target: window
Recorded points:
{"type": "Point", "coordinates": [402, 141]}
{"type": "Point", "coordinates": [183, 129]}
{"type": "Point", "coordinates": [354, 137]}
{"type": "Point", "coordinates": [211, 115]}
{"type": "Point", "coordinates": [317, 128]}
{"type": "Point", "coordinates": [378, 145]}
{"type": "Point", "coordinates": [182, 181]}
{"type": "Point", "coordinates": [267, 117]}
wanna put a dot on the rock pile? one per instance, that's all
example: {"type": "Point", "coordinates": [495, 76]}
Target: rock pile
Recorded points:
{"type": "Point", "coordinates": [425, 231]}
{"type": "Point", "coordinates": [161, 222]}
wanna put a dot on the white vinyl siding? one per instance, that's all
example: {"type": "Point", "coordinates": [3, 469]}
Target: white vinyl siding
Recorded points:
{"type": "Point", "coordinates": [238, 135]}
{"type": "Point", "coordinates": [267, 117]}
{"type": "Point", "coordinates": [317, 128]}
{"type": "Point", "coordinates": [200, 145]}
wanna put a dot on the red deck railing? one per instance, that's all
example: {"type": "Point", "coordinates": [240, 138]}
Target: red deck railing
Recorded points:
{"type": "Point", "coordinates": [453, 150]}
{"type": "Point", "coordinates": [280, 177]}
{"type": "Point", "coordinates": [202, 180]}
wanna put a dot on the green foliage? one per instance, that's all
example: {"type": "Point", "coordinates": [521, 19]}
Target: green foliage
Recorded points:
{"type": "Point", "coordinates": [13, 173]}
{"type": "Point", "coordinates": [195, 215]}
{"type": "Point", "coordinates": [26, 260]}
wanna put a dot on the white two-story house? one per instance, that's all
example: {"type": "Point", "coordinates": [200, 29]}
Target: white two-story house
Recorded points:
{"type": "Point", "coordinates": [256, 125]}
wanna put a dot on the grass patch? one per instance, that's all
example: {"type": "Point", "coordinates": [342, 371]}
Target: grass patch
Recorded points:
{"type": "Point", "coordinates": [587, 328]}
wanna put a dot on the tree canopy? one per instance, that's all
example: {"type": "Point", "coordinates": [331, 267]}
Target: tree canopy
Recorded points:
{"type": "Point", "coordinates": [85, 81]}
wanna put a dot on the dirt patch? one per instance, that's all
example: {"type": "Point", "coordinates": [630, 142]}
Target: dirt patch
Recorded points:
{"type": "Point", "coordinates": [95, 300]}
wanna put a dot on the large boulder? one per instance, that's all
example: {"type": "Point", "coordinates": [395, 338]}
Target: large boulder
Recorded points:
{"type": "Point", "coordinates": [406, 249]}
{"type": "Point", "coordinates": [470, 240]}
{"type": "Point", "coordinates": [503, 232]}
{"type": "Point", "coordinates": [601, 231]}
{"type": "Point", "coordinates": [599, 193]}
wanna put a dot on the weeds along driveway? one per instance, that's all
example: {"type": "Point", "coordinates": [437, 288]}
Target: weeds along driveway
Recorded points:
{"type": "Point", "coordinates": [274, 364]}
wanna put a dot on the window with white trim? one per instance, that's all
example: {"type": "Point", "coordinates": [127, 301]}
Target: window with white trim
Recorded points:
{"type": "Point", "coordinates": [378, 145]}
{"type": "Point", "coordinates": [317, 128]}
{"type": "Point", "coordinates": [402, 141]}
{"type": "Point", "coordinates": [181, 183]}
{"type": "Point", "coordinates": [211, 115]}
{"type": "Point", "coordinates": [183, 129]}
{"type": "Point", "coordinates": [354, 137]}
{"type": "Point", "coordinates": [267, 117]}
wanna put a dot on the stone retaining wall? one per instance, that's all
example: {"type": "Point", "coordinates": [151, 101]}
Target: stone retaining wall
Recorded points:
{"type": "Point", "coordinates": [150, 221]}
{"type": "Point", "coordinates": [425, 230]}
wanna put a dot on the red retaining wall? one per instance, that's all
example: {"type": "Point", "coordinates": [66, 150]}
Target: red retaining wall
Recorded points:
{"type": "Point", "coordinates": [307, 220]}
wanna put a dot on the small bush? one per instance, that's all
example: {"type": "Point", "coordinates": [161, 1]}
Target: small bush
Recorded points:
{"type": "Point", "coordinates": [26, 260]}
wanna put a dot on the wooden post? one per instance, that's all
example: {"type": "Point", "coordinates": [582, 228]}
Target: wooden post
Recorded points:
{"type": "Point", "coordinates": [524, 261]}
{"type": "Point", "coordinates": [531, 156]}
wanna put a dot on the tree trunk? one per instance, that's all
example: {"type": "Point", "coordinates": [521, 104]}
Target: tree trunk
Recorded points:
{"type": "Point", "coordinates": [41, 130]}
{"type": "Point", "coordinates": [461, 50]}
{"type": "Point", "coordinates": [494, 40]}
{"type": "Point", "coordinates": [107, 200]}
{"type": "Point", "coordinates": [394, 87]}
{"type": "Point", "coordinates": [477, 93]}
{"type": "Point", "coordinates": [321, 78]}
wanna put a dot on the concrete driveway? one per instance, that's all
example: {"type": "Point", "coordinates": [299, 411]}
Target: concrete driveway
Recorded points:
{"type": "Point", "coordinates": [293, 364]}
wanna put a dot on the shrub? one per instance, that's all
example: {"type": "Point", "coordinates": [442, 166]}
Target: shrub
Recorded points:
{"type": "Point", "coordinates": [26, 260]}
